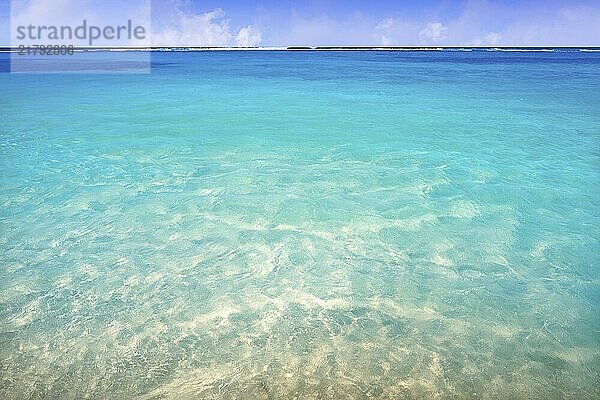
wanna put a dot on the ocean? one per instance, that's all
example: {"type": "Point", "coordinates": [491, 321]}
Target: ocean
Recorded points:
{"type": "Point", "coordinates": [303, 224]}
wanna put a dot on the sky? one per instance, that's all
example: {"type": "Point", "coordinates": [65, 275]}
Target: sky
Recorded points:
{"type": "Point", "coordinates": [339, 22]}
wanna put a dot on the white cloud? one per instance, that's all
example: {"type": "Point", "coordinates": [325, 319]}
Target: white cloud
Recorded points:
{"type": "Point", "coordinates": [325, 31]}
{"type": "Point", "coordinates": [433, 32]}
{"type": "Point", "coordinates": [486, 22]}
{"type": "Point", "coordinates": [385, 26]}
{"type": "Point", "coordinates": [474, 22]}
{"type": "Point", "coordinates": [491, 39]}
{"type": "Point", "coordinates": [248, 36]}
{"type": "Point", "coordinates": [207, 29]}
{"type": "Point", "coordinates": [570, 26]}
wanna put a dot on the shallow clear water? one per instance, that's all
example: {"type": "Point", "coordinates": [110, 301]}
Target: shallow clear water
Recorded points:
{"type": "Point", "coordinates": [314, 225]}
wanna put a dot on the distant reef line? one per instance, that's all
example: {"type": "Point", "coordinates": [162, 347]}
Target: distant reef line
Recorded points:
{"type": "Point", "coordinates": [324, 48]}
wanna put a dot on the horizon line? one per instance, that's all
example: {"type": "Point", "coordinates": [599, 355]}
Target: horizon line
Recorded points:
{"type": "Point", "coordinates": [306, 47]}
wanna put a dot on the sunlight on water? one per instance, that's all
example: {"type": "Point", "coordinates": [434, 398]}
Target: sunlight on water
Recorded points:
{"type": "Point", "coordinates": [315, 225]}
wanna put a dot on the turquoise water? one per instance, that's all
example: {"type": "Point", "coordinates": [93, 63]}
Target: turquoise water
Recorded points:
{"type": "Point", "coordinates": [303, 225]}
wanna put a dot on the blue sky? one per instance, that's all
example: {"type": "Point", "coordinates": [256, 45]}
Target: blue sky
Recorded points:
{"type": "Point", "coordinates": [358, 22]}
